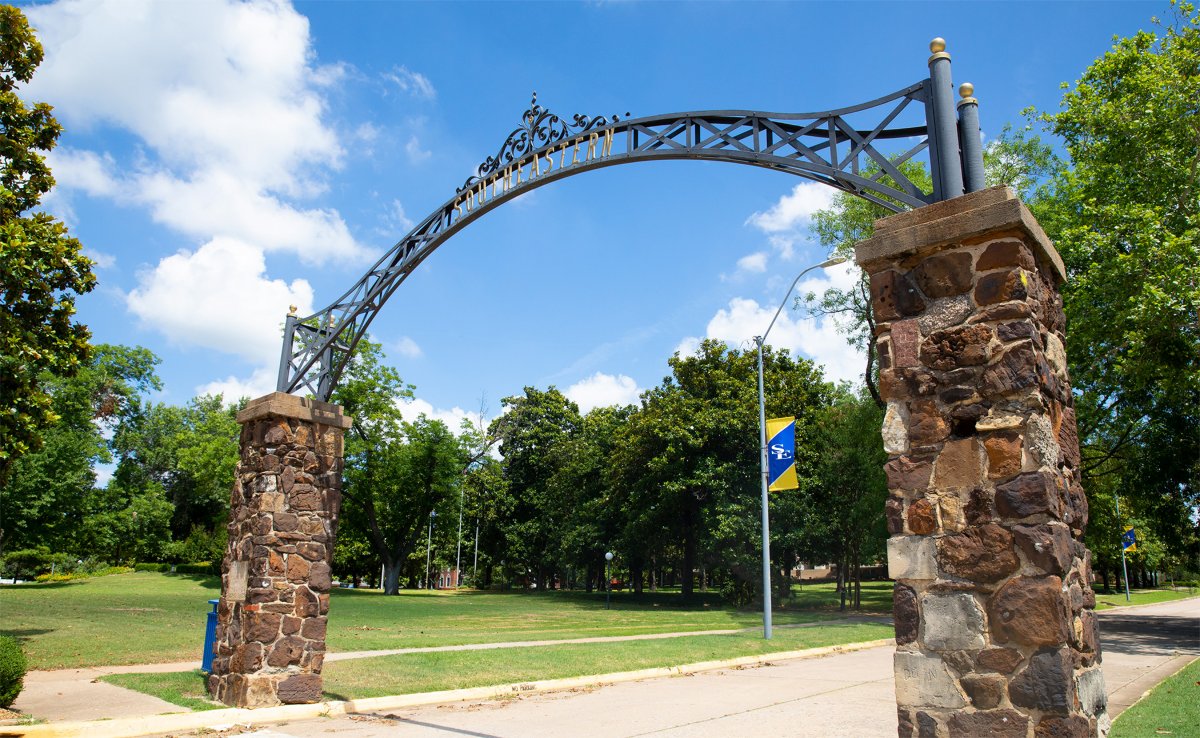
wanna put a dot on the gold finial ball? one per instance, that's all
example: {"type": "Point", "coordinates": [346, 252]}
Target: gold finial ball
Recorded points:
{"type": "Point", "coordinates": [937, 45]}
{"type": "Point", "coordinates": [291, 309]}
{"type": "Point", "coordinates": [965, 90]}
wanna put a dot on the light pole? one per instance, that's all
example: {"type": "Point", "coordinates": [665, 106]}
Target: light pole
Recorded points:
{"type": "Point", "coordinates": [458, 556]}
{"type": "Point", "coordinates": [428, 544]}
{"type": "Point", "coordinates": [608, 557]}
{"type": "Point", "coordinates": [762, 455]}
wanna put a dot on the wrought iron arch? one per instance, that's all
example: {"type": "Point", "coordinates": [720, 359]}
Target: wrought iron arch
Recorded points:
{"type": "Point", "coordinates": [823, 147]}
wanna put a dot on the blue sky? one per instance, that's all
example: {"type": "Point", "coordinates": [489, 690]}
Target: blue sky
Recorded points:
{"type": "Point", "coordinates": [223, 160]}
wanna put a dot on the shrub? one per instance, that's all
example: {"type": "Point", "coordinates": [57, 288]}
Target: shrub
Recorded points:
{"type": "Point", "coordinates": [12, 670]}
{"type": "Point", "coordinates": [205, 567]}
{"type": "Point", "coordinates": [151, 567]}
{"type": "Point", "coordinates": [104, 571]}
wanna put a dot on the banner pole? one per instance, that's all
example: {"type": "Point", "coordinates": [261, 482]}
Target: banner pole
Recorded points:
{"type": "Point", "coordinates": [1120, 529]}
{"type": "Point", "coordinates": [766, 522]}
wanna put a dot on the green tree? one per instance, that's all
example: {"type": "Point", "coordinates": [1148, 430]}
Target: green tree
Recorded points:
{"type": "Point", "coordinates": [532, 435]}
{"type": "Point", "coordinates": [396, 473]}
{"type": "Point", "coordinates": [190, 453]}
{"type": "Point", "coordinates": [49, 497]}
{"type": "Point", "coordinates": [849, 488]}
{"type": "Point", "coordinates": [582, 497]}
{"type": "Point", "coordinates": [1126, 219]}
{"type": "Point", "coordinates": [41, 267]}
{"type": "Point", "coordinates": [686, 466]}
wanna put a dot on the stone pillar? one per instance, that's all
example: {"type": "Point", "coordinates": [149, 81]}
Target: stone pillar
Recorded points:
{"type": "Point", "coordinates": [275, 578]}
{"type": "Point", "coordinates": [995, 629]}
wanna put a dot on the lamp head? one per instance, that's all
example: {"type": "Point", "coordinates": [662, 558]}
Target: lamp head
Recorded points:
{"type": "Point", "coordinates": [608, 556]}
{"type": "Point", "coordinates": [833, 261]}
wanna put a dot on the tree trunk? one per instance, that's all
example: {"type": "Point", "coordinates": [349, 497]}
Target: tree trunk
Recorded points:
{"type": "Point", "coordinates": [689, 544]}
{"type": "Point", "coordinates": [391, 576]}
{"type": "Point", "coordinates": [591, 574]}
{"type": "Point", "coordinates": [635, 575]}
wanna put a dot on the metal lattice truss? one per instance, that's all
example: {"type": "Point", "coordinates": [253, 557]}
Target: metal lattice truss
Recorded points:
{"type": "Point", "coordinates": [824, 147]}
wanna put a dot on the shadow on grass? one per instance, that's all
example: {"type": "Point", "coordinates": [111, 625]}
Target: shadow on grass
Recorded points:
{"type": "Point", "coordinates": [25, 634]}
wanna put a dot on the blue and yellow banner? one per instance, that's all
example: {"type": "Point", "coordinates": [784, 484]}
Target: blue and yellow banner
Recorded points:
{"type": "Point", "coordinates": [781, 454]}
{"type": "Point", "coordinates": [1129, 539]}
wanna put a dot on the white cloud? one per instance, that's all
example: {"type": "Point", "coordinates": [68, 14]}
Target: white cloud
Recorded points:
{"type": "Point", "coordinates": [794, 209]}
{"type": "Point", "coordinates": [83, 170]}
{"type": "Point", "coordinates": [408, 348]}
{"type": "Point", "coordinates": [410, 410]}
{"type": "Point", "coordinates": [100, 259]}
{"type": "Point", "coordinates": [415, 153]}
{"type": "Point", "coordinates": [219, 297]}
{"type": "Point", "coordinates": [414, 83]}
{"type": "Point", "coordinates": [225, 105]}
{"type": "Point", "coordinates": [743, 319]}
{"type": "Point", "coordinates": [603, 390]}
{"type": "Point", "coordinates": [786, 222]}
{"type": "Point", "coordinates": [756, 262]}
{"type": "Point", "coordinates": [232, 389]}
{"type": "Point", "coordinates": [397, 219]}
{"type": "Point", "coordinates": [247, 214]}
{"type": "Point", "coordinates": [689, 346]}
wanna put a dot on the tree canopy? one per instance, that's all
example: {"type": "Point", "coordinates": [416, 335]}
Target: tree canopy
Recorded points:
{"type": "Point", "coordinates": [42, 268]}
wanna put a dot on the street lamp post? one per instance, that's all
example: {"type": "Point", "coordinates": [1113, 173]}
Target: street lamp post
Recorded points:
{"type": "Point", "coordinates": [428, 544]}
{"type": "Point", "coordinates": [608, 557]}
{"type": "Point", "coordinates": [762, 456]}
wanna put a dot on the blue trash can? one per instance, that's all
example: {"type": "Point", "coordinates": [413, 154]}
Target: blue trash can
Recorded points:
{"type": "Point", "coordinates": [210, 638]}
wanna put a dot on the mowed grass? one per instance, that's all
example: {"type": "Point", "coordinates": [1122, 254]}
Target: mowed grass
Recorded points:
{"type": "Point", "coordinates": [428, 672]}
{"type": "Point", "coordinates": [823, 596]}
{"type": "Point", "coordinates": [1172, 708]}
{"type": "Point", "coordinates": [184, 688]}
{"type": "Point", "coordinates": [147, 618]}
{"type": "Point", "coordinates": [1141, 597]}
{"type": "Point", "coordinates": [121, 619]}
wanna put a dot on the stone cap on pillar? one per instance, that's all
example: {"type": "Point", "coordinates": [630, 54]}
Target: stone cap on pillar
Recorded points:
{"type": "Point", "coordinates": [935, 226]}
{"type": "Point", "coordinates": [281, 404]}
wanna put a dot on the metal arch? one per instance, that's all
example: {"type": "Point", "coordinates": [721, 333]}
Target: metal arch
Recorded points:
{"type": "Point", "coordinates": [823, 147]}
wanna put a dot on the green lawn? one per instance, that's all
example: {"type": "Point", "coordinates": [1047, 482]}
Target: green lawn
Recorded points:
{"type": "Point", "coordinates": [147, 617]}
{"type": "Point", "coordinates": [1141, 597]}
{"type": "Point", "coordinates": [876, 597]}
{"type": "Point", "coordinates": [1172, 708]}
{"type": "Point", "coordinates": [428, 672]}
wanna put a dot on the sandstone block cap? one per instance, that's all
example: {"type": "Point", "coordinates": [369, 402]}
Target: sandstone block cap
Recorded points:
{"type": "Point", "coordinates": [283, 405]}
{"type": "Point", "coordinates": [931, 228]}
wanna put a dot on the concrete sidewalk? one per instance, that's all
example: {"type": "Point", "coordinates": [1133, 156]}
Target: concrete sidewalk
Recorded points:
{"type": "Point", "coordinates": [848, 694]}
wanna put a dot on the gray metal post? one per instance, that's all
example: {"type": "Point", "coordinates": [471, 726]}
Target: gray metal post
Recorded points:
{"type": "Point", "coordinates": [968, 137]}
{"type": "Point", "coordinates": [944, 125]}
{"type": "Point", "coordinates": [458, 556]}
{"type": "Point", "coordinates": [762, 447]}
{"type": "Point", "coordinates": [1121, 544]}
{"type": "Point", "coordinates": [289, 333]}
{"type": "Point", "coordinates": [429, 547]}
{"type": "Point", "coordinates": [762, 460]}
{"type": "Point", "coordinates": [608, 557]}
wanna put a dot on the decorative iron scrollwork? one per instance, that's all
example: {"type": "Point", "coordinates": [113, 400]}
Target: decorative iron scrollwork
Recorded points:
{"type": "Point", "coordinates": [540, 128]}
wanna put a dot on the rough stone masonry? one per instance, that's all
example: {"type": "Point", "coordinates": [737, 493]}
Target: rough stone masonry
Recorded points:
{"type": "Point", "coordinates": [275, 578]}
{"type": "Point", "coordinates": [995, 628]}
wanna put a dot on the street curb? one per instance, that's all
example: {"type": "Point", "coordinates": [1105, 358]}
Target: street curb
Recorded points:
{"type": "Point", "coordinates": [129, 727]}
